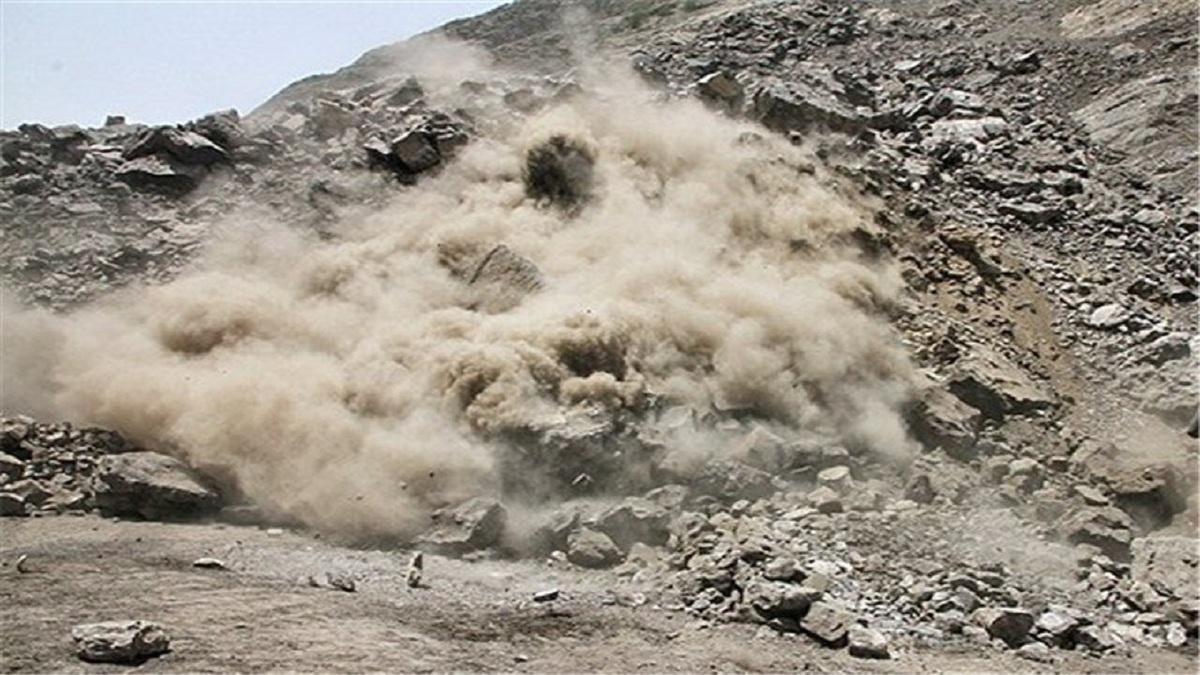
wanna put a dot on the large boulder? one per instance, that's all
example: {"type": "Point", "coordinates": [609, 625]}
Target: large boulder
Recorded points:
{"type": "Point", "coordinates": [151, 485]}
{"type": "Point", "coordinates": [798, 107]}
{"type": "Point", "coordinates": [635, 520]}
{"type": "Point", "coordinates": [120, 641]}
{"type": "Point", "coordinates": [471, 526]}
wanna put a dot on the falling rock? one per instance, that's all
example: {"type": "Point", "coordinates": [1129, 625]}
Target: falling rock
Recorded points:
{"type": "Point", "coordinates": [503, 278]}
{"type": "Point", "coordinates": [868, 643]}
{"type": "Point", "coordinates": [828, 623]}
{"type": "Point", "coordinates": [120, 641]}
{"type": "Point", "coordinates": [415, 152]}
{"type": "Point", "coordinates": [471, 526]}
{"type": "Point", "coordinates": [635, 520]}
{"type": "Point", "coordinates": [1009, 624]}
{"type": "Point", "coordinates": [591, 549]}
{"type": "Point", "coordinates": [151, 485]}
{"type": "Point", "coordinates": [12, 505]}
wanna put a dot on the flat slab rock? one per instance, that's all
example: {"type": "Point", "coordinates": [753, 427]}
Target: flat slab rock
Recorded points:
{"type": "Point", "coordinates": [120, 641]}
{"type": "Point", "coordinates": [151, 485]}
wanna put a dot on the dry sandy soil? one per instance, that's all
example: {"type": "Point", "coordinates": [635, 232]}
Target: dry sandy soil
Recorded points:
{"type": "Point", "coordinates": [262, 614]}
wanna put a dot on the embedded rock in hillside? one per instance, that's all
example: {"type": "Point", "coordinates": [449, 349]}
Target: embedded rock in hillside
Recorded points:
{"type": "Point", "coordinates": [187, 147]}
{"type": "Point", "coordinates": [1170, 565]}
{"type": "Point", "coordinates": [796, 107]}
{"type": "Point", "coordinates": [159, 173]}
{"type": "Point", "coordinates": [995, 386]}
{"type": "Point", "coordinates": [151, 485]}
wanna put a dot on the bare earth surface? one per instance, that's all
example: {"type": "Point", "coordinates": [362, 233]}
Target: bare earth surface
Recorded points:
{"type": "Point", "coordinates": [262, 614]}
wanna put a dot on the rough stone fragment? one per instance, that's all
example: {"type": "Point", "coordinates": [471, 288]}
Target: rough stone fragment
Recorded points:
{"type": "Point", "coordinates": [12, 505]}
{"type": "Point", "coordinates": [11, 466]}
{"type": "Point", "coordinates": [867, 643]}
{"type": "Point", "coordinates": [591, 549]}
{"type": "Point", "coordinates": [1170, 565]}
{"type": "Point", "coordinates": [120, 641]}
{"type": "Point", "coordinates": [415, 152]}
{"type": "Point", "coordinates": [797, 107]}
{"type": "Point", "coordinates": [996, 387]}
{"type": "Point", "coordinates": [634, 520]}
{"type": "Point", "coordinates": [1009, 624]}
{"type": "Point", "coordinates": [151, 485]}
{"type": "Point", "coordinates": [1108, 528]}
{"type": "Point", "coordinates": [470, 526]}
{"type": "Point", "coordinates": [828, 623]}
{"type": "Point", "coordinates": [158, 173]}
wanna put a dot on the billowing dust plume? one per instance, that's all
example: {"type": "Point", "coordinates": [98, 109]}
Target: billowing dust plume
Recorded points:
{"type": "Point", "coordinates": [707, 273]}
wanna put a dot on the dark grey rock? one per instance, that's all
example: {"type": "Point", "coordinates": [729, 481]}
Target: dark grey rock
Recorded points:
{"type": "Point", "coordinates": [634, 520]}
{"type": "Point", "coordinates": [1009, 624]}
{"type": "Point", "coordinates": [12, 505]}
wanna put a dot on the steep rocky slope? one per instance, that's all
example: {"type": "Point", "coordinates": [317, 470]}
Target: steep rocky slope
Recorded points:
{"type": "Point", "coordinates": [948, 248]}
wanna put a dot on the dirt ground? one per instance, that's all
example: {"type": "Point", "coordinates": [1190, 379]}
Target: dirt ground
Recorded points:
{"type": "Point", "coordinates": [262, 613]}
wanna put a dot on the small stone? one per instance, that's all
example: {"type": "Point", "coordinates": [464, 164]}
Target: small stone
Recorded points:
{"type": "Point", "coordinates": [825, 500]}
{"type": "Point", "coordinates": [867, 643]}
{"type": "Point", "coordinates": [342, 581]}
{"type": "Point", "coordinates": [209, 563]}
{"type": "Point", "coordinates": [546, 595]}
{"type": "Point", "coordinates": [836, 478]}
{"type": "Point", "coordinates": [1035, 651]}
{"type": "Point", "coordinates": [120, 641]}
{"type": "Point", "coordinates": [1096, 639]}
{"type": "Point", "coordinates": [1109, 316]}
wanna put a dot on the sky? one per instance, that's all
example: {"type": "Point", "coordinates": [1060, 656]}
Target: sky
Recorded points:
{"type": "Point", "coordinates": [169, 61]}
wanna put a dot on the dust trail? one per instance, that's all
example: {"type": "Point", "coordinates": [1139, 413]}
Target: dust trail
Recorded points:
{"type": "Point", "coordinates": [357, 383]}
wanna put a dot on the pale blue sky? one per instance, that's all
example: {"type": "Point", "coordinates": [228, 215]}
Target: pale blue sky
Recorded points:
{"type": "Point", "coordinates": [170, 61]}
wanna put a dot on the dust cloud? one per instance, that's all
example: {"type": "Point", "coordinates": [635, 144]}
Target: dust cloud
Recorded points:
{"type": "Point", "coordinates": [357, 383]}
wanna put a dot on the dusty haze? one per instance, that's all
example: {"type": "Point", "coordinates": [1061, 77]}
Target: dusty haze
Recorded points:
{"type": "Point", "coordinates": [357, 383]}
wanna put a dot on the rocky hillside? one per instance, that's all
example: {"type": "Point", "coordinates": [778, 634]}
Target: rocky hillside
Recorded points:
{"type": "Point", "coordinates": [951, 396]}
